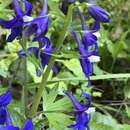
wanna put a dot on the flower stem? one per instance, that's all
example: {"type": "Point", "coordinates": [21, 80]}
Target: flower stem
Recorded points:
{"type": "Point", "coordinates": [52, 60]}
{"type": "Point", "coordinates": [24, 89]}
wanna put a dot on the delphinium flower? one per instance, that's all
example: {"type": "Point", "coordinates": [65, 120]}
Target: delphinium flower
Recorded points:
{"type": "Point", "coordinates": [88, 46]}
{"type": "Point", "coordinates": [98, 13]}
{"type": "Point", "coordinates": [37, 26]}
{"type": "Point", "coordinates": [83, 111]}
{"type": "Point", "coordinates": [87, 57]}
{"type": "Point", "coordinates": [28, 126]}
{"type": "Point", "coordinates": [5, 100]}
{"type": "Point", "coordinates": [43, 53]}
{"type": "Point", "coordinates": [16, 24]}
{"type": "Point", "coordinates": [65, 5]}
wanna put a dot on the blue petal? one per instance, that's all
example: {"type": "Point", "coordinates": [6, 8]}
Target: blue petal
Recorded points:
{"type": "Point", "coordinates": [7, 24]}
{"type": "Point", "coordinates": [80, 124]}
{"type": "Point", "coordinates": [89, 39]}
{"type": "Point", "coordinates": [38, 27]}
{"type": "Point", "coordinates": [84, 24]}
{"type": "Point", "coordinates": [86, 119]}
{"type": "Point", "coordinates": [5, 116]}
{"type": "Point", "coordinates": [83, 120]}
{"type": "Point", "coordinates": [8, 118]}
{"type": "Point", "coordinates": [28, 7]}
{"type": "Point", "coordinates": [15, 32]}
{"type": "Point", "coordinates": [44, 42]}
{"type": "Point", "coordinates": [6, 98]}
{"type": "Point", "coordinates": [16, 26]}
{"type": "Point", "coordinates": [87, 67]}
{"type": "Point", "coordinates": [89, 98]}
{"type": "Point", "coordinates": [96, 26]}
{"type": "Point", "coordinates": [29, 125]}
{"type": "Point", "coordinates": [70, 1]}
{"type": "Point", "coordinates": [46, 55]}
{"type": "Point", "coordinates": [9, 128]}
{"type": "Point", "coordinates": [2, 116]}
{"type": "Point", "coordinates": [78, 40]}
{"type": "Point", "coordinates": [74, 100]}
{"type": "Point", "coordinates": [18, 9]}
{"type": "Point", "coordinates": [44, 9]}
{"type": "Point", "coordinates": [31, 50]}
{"type": "Point", "coordinates": [99, 13]}
{"type": "Point", "coordinates": [55, 69]}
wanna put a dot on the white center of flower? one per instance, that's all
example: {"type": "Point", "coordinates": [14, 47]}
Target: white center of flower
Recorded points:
{"type": "Point", "coordinates": [93, 59]}
{"type": "Point", "coordinates": [97, 34]}
{"type": "Point", "coordinates": [90, 110]}
{"type": "Point", "coordinates": [27, 18]}
{"type": "Point", "coordinates": [90, 4]}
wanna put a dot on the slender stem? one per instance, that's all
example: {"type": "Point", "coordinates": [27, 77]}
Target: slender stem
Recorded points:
{"type": "Point", "coordinates": [24, 89]}
{"type": "Point", "coordinates": [112, 66]}
{"type": "Point", "coordinates": [52, 60]}
{"type": "Point", "coordinates": [118, 76]}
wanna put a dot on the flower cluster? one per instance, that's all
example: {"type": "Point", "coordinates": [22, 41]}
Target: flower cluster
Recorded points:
{"type": "Point", "coordinates": [25, 25]}
{"type": "Point", "coordinates": [88, 43]}
{"type": "Point", "coordinates": [5, 118]}
{"type": "Point", "coordinates": [83, 111]}
{"type": "Point", "coordinates": [88, 47]}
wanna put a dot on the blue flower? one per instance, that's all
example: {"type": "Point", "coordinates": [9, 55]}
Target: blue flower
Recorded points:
{"type": "Point", "coordinates": [37, 26]}
{"type": "Point", "coordinates": [88, 38]}
{"type": "Point", "coordinates": [88, 46]}
{"type": "Point", "coordinates": [65, 5]}
{"type": "Point", "coordinates": [99, 14]}
{"type": "Point", "coordinates": [16, 24]}
{"type": "Point", "coordinates": [23, 20]}
{"type": "Point", "coordinates": [44, 52]}
{"type": "Point", "coordinates": [87, 57]}
{"type": "Point", "coordinates": [5, 100]}
{"type": "Point", "coordinates": [82, 113]}
{"type": "Point", "coordinates": [28, 126]}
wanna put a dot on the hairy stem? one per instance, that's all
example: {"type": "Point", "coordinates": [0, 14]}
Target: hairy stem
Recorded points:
{"type": "Point", "coordinates": [52, 60]}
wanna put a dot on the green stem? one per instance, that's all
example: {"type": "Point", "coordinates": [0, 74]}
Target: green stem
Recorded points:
{"type": "Point", "coordinates": [118, 76]}
{"type": "Point", "coordinates": [112, 66]}
{"type": "Point", "coordinates": [24, 89]}
{"type": "Point", "coordinates": [52, 60]}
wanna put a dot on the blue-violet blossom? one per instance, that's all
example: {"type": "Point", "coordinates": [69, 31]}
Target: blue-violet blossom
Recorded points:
{"type": "Point", "coordinates": [37, 26]}
{"type": "Point", "coordinates": [44, 53]}
{"type": "Point", "coordinates": [83, 111]}
{"type": "Point", "coordinates": [87, 57]}
{"type": "Point", "coordinates": [28, 126]}
{"type": "Point", "coordinates": [98, 13]}
{"type": "Point", "coordinates": [5, 100]}
{"type": "Point", "coordinates": [88, 46]}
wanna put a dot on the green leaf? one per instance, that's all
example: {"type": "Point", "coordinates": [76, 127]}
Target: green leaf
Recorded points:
{"type": "Point", "coordinates": [125, 127]}
{"type": "Point", "coordinates": [54, 108]}
{"type": "Point", "coordinates": [127, 91]}
{"type": "Point", "coordinates": [5, 63]}
{"type": "Point", "coordinates": [97, 70]}
{"type": "Point", "coordinates": [116, 48]}
{"type": "Point", "coordinates": [103, 122]}
{"type": "Point", "coordinates": [74, 66]}
{"type": "Point", "coordinates": [100, 126]}
{"type": "Point", "coordinates": [128, 111]}
{"type": "Point", "coordinates": [59, 121]}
